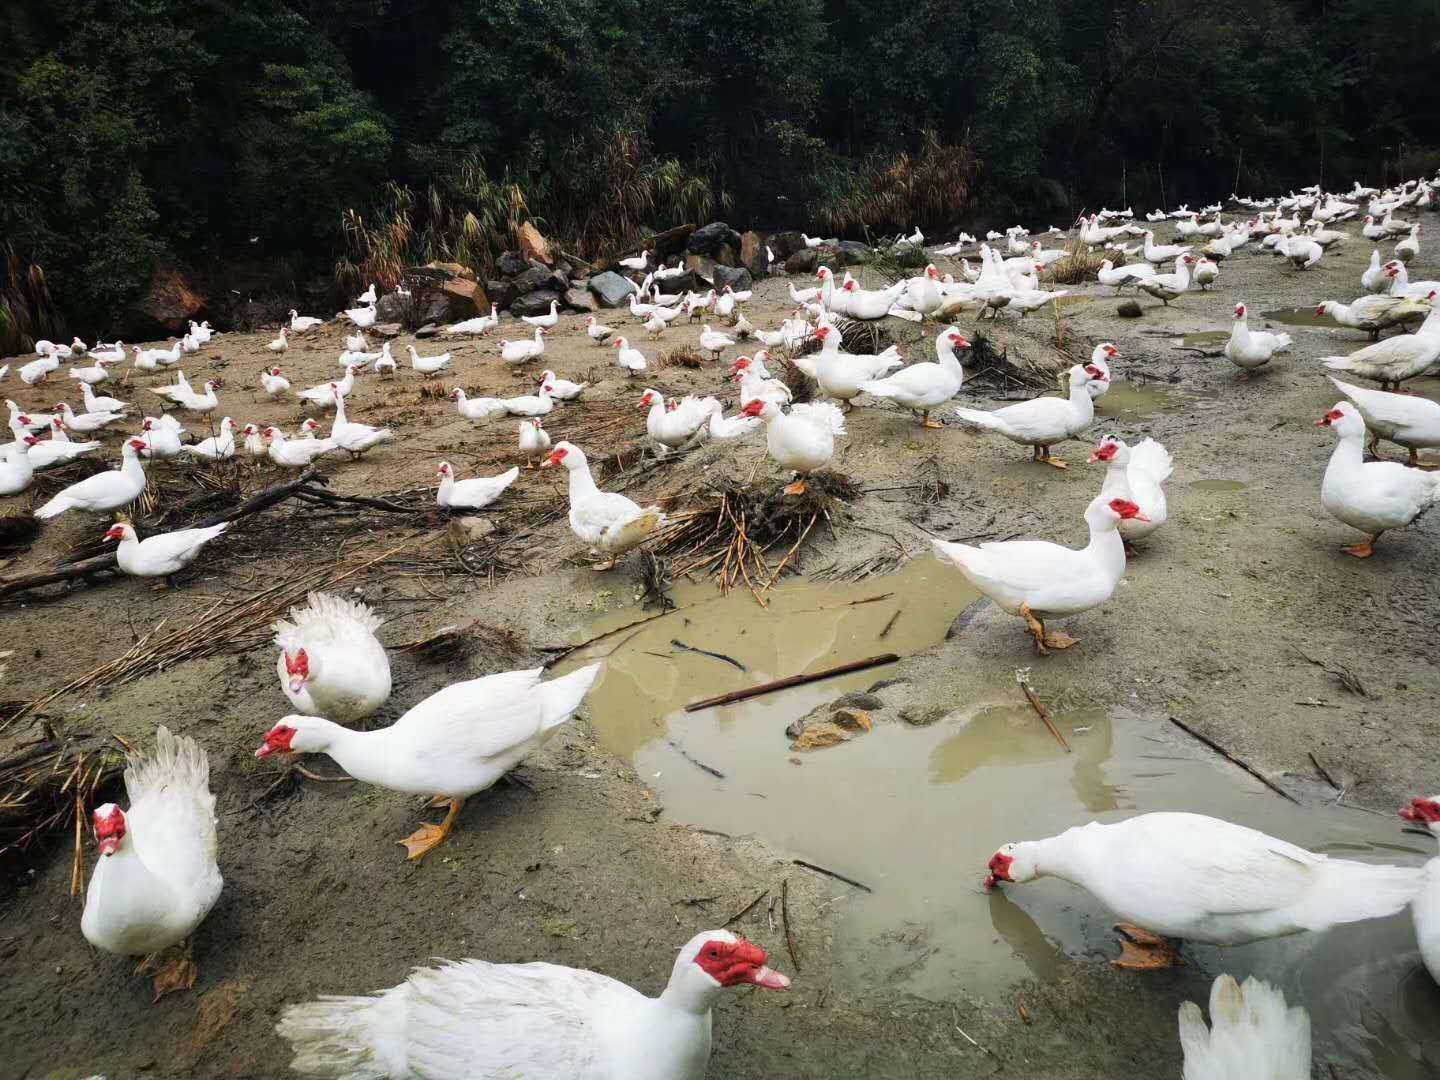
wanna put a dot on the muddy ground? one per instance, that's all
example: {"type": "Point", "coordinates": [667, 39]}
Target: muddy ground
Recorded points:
{"type": "Point", "coordinates": [1208, 627]}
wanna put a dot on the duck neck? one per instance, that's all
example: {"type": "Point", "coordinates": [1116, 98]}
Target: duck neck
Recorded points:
{"type": "Point", "coordinates": [1349, 451]}
{"type": "Point", "coordinates": [1240, 332]}
{"type": "Point", "coordinates": [582, 484]}
{"type": "Point", "coordinates": [127, 892]}
{"type": "Point", "coordinates": [365, 755]}
{"type": "Point", "coordinates": [1107, 548]}
{"type": "Point", "coordinates": [132, 468]}
{"type": "Point", "coordinates": [687, 993]}
{"type": "Point", "coordinates": [1058, 856]}
{"type": "Point", "coordinates": [945, 353]}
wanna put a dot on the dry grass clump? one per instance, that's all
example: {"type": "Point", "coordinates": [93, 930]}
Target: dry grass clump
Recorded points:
{"type": "Point", "coordinates": [932, 186]}
{"type": "Point", "coordinates": [687, 356]}
{"type": "Point", "coordinates": [1081, 265]}
{"type": "Point", "coordinates": [47, 787]}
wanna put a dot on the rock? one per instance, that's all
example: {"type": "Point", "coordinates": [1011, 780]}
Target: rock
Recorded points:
{"type": "Point", "coordinates": [534, 303]}
{"type": "Point", "coordinates": [752, 254]}
{"type": "Point", "coordinates": [859, 700]}
{"type": "Point", "coordinates": [853, 720]}
{"type": "Point", "coordinates": [683, 283]}
{"type": "Point", "coordinates": [1130, 310]}
{"type": "Point", "coordinates": [428, 330]}
{"type": "Point", "coordinates": [737, 279]}
{"type": "Point", "coordinates": [854, 253]}
{"type": "Point", "coordinates": [469, 530]}
{"type": "Point", "coordinates": [803, 261]}
{"type": "Point", "coordinates": [169, 303]}
{"type": "Point", "coordinates": [392, 307]}
{"type": "Point", "coordinates": [610, 288]}
{"type": "Point", "coordinates": [387, 329]}
{"type": "Point", "coordinates": [465, 300]}
{"type": "Point", "coordinates": [923, 715]}
{"type": "Point", "coordinates": [708, 239]}
{"type": "Point", "coordinates": [671, 241]}
{"type": "Point", "coordinates": [535, 277]}
{"type": "Point", "coordinates": [829, 725]}
{"type": "Point", "coordinates": [702, 266]}
{"type": "Point", "coordinates": [455, 270]}
{"type": "Point", "coordinates": [726, 255]}
{"type": "Point", "coordinates": [533, 245]}
{"type": "Point", "coordinates": [501, 293]}
{"type": "Point", "coordinates": [512, 263]}
{"type": "Point", "coordinates": [819, 735]}
{"type": "Point", "coordinates": [785, 244]}
{"type": "Point", "coordinates": [580, 300]}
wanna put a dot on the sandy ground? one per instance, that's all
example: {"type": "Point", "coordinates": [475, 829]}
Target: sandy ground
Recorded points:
{"type": "Point", "coordinates": [579, 871]}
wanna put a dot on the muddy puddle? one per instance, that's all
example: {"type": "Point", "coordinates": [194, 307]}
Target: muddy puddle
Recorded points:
{"type": "Point", "coordinates": [1300, 316]}
{"type": "Point", "coordinates": [914, 813]}
{"type": "Point", "coordinates": [1133, 401]}
{"type": "Point", "coordinates": [1200, 339]}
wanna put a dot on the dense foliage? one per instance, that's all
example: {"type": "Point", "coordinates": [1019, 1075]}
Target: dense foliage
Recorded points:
{"type": "Point", "coordinates": [230, 133]}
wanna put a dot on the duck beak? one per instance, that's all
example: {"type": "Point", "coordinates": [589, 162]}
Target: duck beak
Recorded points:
{"type": "Point", "coordinates": [769, 979]}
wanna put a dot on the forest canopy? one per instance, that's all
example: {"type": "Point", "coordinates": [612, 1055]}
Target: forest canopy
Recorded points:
{"type": "Point", "coordinates": [232, 136]}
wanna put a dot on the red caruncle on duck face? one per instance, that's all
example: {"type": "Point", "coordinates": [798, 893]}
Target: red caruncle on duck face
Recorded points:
{"type": "Point", "coordinates": [277, 741]}
{"type": "Point", "coordinates": [297, 667]}
{"type": "Point", "coordinates": [734, 963]}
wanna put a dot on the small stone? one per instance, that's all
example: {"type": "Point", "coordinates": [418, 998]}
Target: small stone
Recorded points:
{"type": "Point", "coordinates": [737, 279]}
{"type": "Point", "coordinates": [923, 715]}
{"type": "Point", "coordinates": [387, 329]}
{"type": "Point", "coordinates": [853, 720]}
{"type": "Point", "coordinates": [821, 734]}
{"type": "Point", "coordinates": [858, 700]}
{"type": "Point", "coordinates": [708, 239]}
{"type": "Point", "coordinates": [512, 263]}
{"type": "Point", "coordinates": [428, 330]}
{"type": "Point", "coordinates": [1130, 310]}
{"type": "Point", "coordinates": [468, 530]}
{"type": "Point", "coordinates": [535, 303]}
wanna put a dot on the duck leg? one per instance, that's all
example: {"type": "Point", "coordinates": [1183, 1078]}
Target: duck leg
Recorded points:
{"type": "Point", "coordinates": [1042, 453]}
{"type": "Point", "coordinates": [1364, 549]}
{"type": "Point", "coordinates": [608, 564]}
{"type": "Point", "coordinates": [428, 837]}
{"type": "Point", "coordinates": [1141, 950]}
{"type": "Point", "coordinates": [797, 488]}
{"type": "Point", "coordinates": [171, 969]}
{"type": "Point", "coordinates": [927, 422]}
{"type": "Point", "coordinates": [1045, 640]}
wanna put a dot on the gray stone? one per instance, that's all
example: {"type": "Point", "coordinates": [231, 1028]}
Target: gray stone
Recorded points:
{"type": "Point", "coordinates": [923, 715]}
{"type": "Point", "coordinates": [785, 244]}
{"type": "Point", "coordinates": [858, 700]}
{"type": "Point", "coordinates": [535, 277]}
{"type": "Point", "coordinates": [512, 263]}
{"type": "Point", "coordinates": [501, 293]}
{"type": "Point", "coordinates": [428, 330]}
{"type": "Point", "coordinates": [708, 239]}
{"type": "Point", "coordinates": [535, 303]}
{"type": "Point", "coordinates": [387, 329]}
{"type": "Point", "coordinates": [803, 261]}
{"type": "Point", "coordinates": [737, 279]}
{"type": "Point", "coordinates": [611, 289]}
{"type": "Point", "coordinates": [392, 307]}
{"type": "Point", "coordinates": [702, 266]}
{"type": "Point", "coordinates": [580, 300]}
{"type": "Point", "coordinates": [855, 253]}
{"type": "Point", "coordinates": [1129, 310]}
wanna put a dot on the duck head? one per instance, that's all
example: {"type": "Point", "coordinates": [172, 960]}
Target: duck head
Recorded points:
{"type": "Point", "coordinates": [1344, 419]}
{"type": "Point", "coordinates": [713, 960]}
{"type": "Point", "coordinates": [297, 668]}
{"type": "Point", "coordinates": [296, 734]}
{"type": "Point", "coordinates": [564, 454]}
{"type": "Point", "coordinates": [1014, 863]}
{"type": "Point", "coordinates": [1425, 812]}
{"type": "Point", "coordinates": [109, 823]}
{"type": "Point", "coordinates": [1112, 448]}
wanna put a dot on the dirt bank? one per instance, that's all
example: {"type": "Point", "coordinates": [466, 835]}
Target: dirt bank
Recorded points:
{"type": "Point", "coordinates": [1209, 627]}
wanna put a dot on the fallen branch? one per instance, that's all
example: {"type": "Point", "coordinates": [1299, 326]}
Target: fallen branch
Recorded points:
{"type": "Point", "coordinates": [889, 625]}
{"type": "Point", "coordinates": [785, 922]}
{"type": "Point", "coordinates": [746, 909]}
{"type": "Point", "coordinates": [1043, 713]}
{"type": "Point", "coordinates": [832, 874]}
{"type": "Point", "coordinates": [329, 497]}
{"type": "Point", "coordinates": [792, 680]}
{"type": "Point", "coordinates": [695, 761]}
{"type": "Point", "coordinates": [1234, 760]}
{"type": "Point", "coordinates": [89, 567]}
{"type": "Point", "coordinates": [1325, 773]}
{"type": "Point", "coordinates": [705, 652]}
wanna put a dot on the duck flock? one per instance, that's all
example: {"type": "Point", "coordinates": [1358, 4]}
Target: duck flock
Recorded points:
{"type": "Point", "coordinates": [1168, 876]}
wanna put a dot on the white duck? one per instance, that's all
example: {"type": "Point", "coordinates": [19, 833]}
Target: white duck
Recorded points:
{"type": "Point", "coordinates": [301, 323]}
{"type": "Point", "coordinates": [562, 389]}
{"type": "Point", "coordinates": [1188, 876]}
{"type": "Point", "coordinates": [547, 321]}
{"type": "Point", "coordinates": [281, 343]}
{"type": "Point", "coordinates": [58, 449]}
{"type": "Point", "coordinates": [473, 494]}
{"type": "Point", "coordinates": [203, 403]}
{"type": "Point", "coordinates": [156, 879]}
{"type": "Point", "coordinates": [1405, 419]}
{"type": "Point", "coordinates": [1043, 422]}
{"type": "Point", "coordinates": [160, 555]}
{"type": "Point", "coordinates": [636, 262]}
{"type": "Point", "coordinates": [428, 365]}
{"type": "Point", "coordinates": [1425, 908]}
{"type": "Point", "coordinates": [1392, 361]}
{"type": "Point", "coordinates": [295, 453]}
{"type": "Point", "coordinates": [1401, 285]}
{"type": "Point", "coordinates": [842, 375]}
{"type": "Point", "coordinates": [323, 395]}
{"type": "Point", "coordinates": [1120, 276]}
{"type": "Point", "coordinates": [331, 663]}
{"type": "Point", "coordinates": [1207, 272]}
{"type": "Point", "coordinates": [481, 324]}
{"type": "Point", "coordinates": [605, 521]}
{"type": "Point", "coordinates": [217, 447]}
{"type": "Point", "coordinates": [90, 376]}
{"type": "Point", "coordinates": [1036, 579]}
{"type": "Point", "coordinates": [1250, 350]}
{"type": "Point", "coordinates": [922, 388]}
{"type": "Point", "coordinates": [1162, 253]}
{"type": "Point", "coordinates": [721, 428]}
{"type": "Point", "coordinates": [1408, 248]}
{"type": "Point", "coordinates": [1374, 278]}
{"type": "Point", "coordinates": [676, 425]}
{"type": "Point", "coordinates": [357, 343]}
{"type": "Point", "coordinates": [523, 351]}
{"type": "Point", "coordinates": [274, 384]}
{"type": "Point", "coordinates": [1166, 287]}
{"type": "Point", "coordinates": [354, 437]}
{"type": "Point", "coordinates": [385, 363]}
{"type": "Point", "coordinates": [16, 469]}
{"type": "Point", "coordinates": [534, 441]}
{"type": "Point", "coordinates": [627, 357]}
{"type": "Point", "coordinates": [484, 408]}
{"type": "Point", "coordinates": [97, 403]}
{"type": "Point", "coordinates": [1135, 474]}
{"type": "Point", "coordinates": [1372, 496]}
{"type": "Point", "coordinates": [714, 342]}
{"type": "Point", "coordinates": [85, 422]}
{"type": "Point", "coordinates": [1302, 251]}
{"type": "Point", "coordinates": [756, 386]}
{"type": "Point", "coordinates": [1100, 358]}
{"type": "Point", "coordinates": [870, 303]}
{"type": "Point", "coordinates": [596, 330]}
{"type": "Point", "coordinates": [103, 491]}
{"type": "Point", "coordinates": [537, 404]}
{"type": "Point", "coordinates": [109, 354]}
{"type": "Point", "coordinates": [160, 438]}
{"type": "Point", "coordinates": [802, 440]}
{"type": "Point", "coordinates": [17, 415]}
{"type": "Point", "coordinates": [1376, 312]}
{"type": "Point", "coordinates": [369, 296]}
{"type": "Point", "coordinates": [456, 743]}
{"type": "Point", "coordinates": [1248, 1025]}
{"type": "Point", "coordinates": [362, 317]}
{"type": "Point", "coordinates": [477, 1019]}
{"type": "Point", "coordinates": [254, 441]}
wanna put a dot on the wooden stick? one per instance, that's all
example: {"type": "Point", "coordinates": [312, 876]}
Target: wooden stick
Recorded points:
{"type": "Point", "coordinates": [832, 874]}
{"type": "Point", "coordinates": [785, 922]}
{"type": "Point", "coordinates": [1228, 756]}
{"type": "Point", "coordinates": [746, 909]}
{"type": "Point", "coordinates": [792, 680]}
{"type": "Point", "coordinates": [1324, 772]}
{"type": "Point", "coordinates": [86, 567]}
{"type": "Point", "coordinates": [1044, 715]}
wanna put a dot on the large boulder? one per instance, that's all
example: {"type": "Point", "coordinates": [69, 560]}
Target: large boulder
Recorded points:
{"type": "Point", "coordinates": [581, 300]}
{"type": "Point", "coordinates": [785, 244]}
{"type": "Point", "coordinates": [611, 289]}
{"type": "Point", "coordinates": [683, 283]}
{"type": "Point", "coordinates": [169, 303]}
{"type": "Point", "coordinates": [708, 239]}
{"type": "Point", "coordinates": [702, 267]}
{"type": "Point", "coordinates": [738, 278]}
{"type": "Point", "coordinates": [533, 245]}
{"type": "Point", "coordinates": [671, 241]}
{"type": "Point", "coordinates": [535, 303]}
{"type": "Point", "coordinates": [534, 277]}
{"type": "Point", "coordinates": [392, 307]}
{"type": "Point", "coordinates": [803, 261]}
{"type": "Point", "coordinates": [853, 253]}
{"type": "Point", "coordinates": [501, 293]}
{"type": "Point", "coordinates": [512, 263]}
{"type": "Point", "coordinates": [752, 254]}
